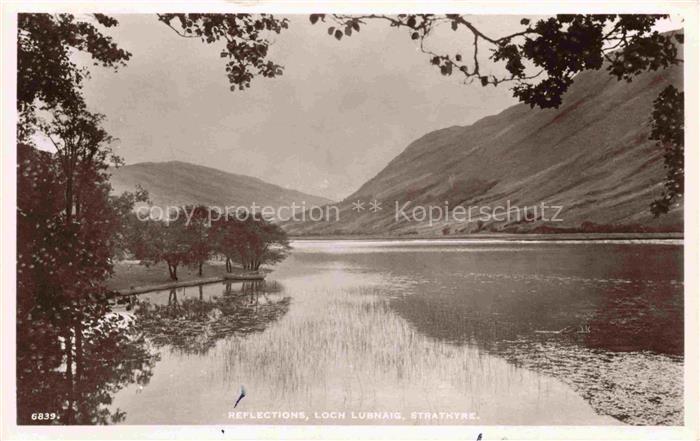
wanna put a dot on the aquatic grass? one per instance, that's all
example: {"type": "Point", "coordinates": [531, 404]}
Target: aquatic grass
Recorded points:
{"type": "Point", "coordinates": [343, 346]}
{"type": "Point", "coordinates": [345, 349]}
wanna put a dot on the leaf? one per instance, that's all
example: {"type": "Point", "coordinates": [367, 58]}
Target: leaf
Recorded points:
{"type": "Point", "coordinates": [331, 30]}
{"type": "Point", "coordinates": [458, 57]}
{"type": "Point", "coordinates": [356, 26]}
{"type": "Point", "coordinates": [313, 18]}
{"type": "Point", "coordinates": [525, 21]}
{"type": "Point", "coordinates": [348, 30]}
{"type": "Point", "coordinates": [454, 25]}
{"type": "Point", "coordinates": [414, 36]}
{"type": "Point", "coordinates": [411, 21]}
{"type": "Point", "coordinates": [338, 34]}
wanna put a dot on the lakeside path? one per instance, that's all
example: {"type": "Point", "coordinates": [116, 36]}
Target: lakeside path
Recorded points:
{"type": "Point", "coordinates": [130, 277]}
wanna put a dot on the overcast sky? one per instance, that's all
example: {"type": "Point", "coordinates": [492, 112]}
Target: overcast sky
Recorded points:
{"type": "Point", "coordinates": [341, 111]}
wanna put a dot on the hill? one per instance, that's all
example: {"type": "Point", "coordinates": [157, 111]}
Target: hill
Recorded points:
{"type": "Point", "coordinates": [176, 183]}
{"type": "Point", "coordinates": [592, 157]}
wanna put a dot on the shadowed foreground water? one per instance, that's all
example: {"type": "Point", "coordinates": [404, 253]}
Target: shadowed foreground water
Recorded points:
{"type": "Point", "coordinates": [398, 332]}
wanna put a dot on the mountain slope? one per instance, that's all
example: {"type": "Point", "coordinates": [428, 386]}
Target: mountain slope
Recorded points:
{"type": "Point", "coordinates": [178, 183]}
{"type": "Point", "coordinates": [592, 156]}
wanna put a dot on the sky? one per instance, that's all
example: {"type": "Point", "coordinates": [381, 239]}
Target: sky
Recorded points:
{"type": "Point", "coordinates": [340, 112]}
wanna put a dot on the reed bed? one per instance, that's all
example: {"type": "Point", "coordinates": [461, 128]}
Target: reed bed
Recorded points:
{"type": "Point", "coordinates": [344, 349]}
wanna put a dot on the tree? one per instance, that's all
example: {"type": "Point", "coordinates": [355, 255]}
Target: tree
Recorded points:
{"type": "Point", "coordinates": [61, 270]}
{"type": "Point", "coordinates": [197, 235]}
{"type": "Point", "coordinates": [249, 240]}
{"type": "Point", "coordinates": [82, 148]}
{"type": "Point", "coordinates": [246, 46]}
{"type": "Point", "coordinates": [160, 241]}
{"type": "Point", "coordinates": [557, 48]}
{"type": "Point", "coordinates": [69, 226]}
{"type": "Point", "coordinates": [667, 128]}
{"type": "Point", "coordinates": [542, 59]}
{"type": "Point", "coordinates": [267, 244]}
{"type": "Point", "coordinates": [39, 200]}
{"type": "Point", "coordinates": [47, 76]}
{"type": "Point", "coordinates": [228, 238]}
{"type": "Point", "coordinates": [171, 246]}
{"type": "Point", "coordinates": [184, 239]}
{"type": "Point", "coordinates": [129, 231]}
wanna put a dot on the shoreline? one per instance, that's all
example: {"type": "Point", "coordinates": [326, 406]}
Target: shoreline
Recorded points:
{"type": "Point", "coordinates": [131, 277]}
{"type": "Point", "coordinates": [503, 236]}
{"type": "Point", "coordinates": [184, 283]}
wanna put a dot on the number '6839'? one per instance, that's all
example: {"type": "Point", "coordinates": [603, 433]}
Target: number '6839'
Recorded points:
{"type": "Point", "coordinates": [39, 416]}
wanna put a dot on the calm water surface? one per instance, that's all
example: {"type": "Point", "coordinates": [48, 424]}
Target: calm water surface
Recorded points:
{"type": "Point", "coordinates": [501, 333]}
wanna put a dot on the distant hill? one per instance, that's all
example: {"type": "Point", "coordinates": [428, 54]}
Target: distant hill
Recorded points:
{"type": "Point", "coordinates": [592, 156]}
{"type": "Point", "coordinates": [176, 183]}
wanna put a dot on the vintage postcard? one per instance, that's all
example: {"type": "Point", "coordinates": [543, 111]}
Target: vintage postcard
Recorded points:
{"type": "Point", "coordinates": [350, 220]}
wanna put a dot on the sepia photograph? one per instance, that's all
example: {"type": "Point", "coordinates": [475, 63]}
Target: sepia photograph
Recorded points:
{"type": "Point", "coordinates": [255, 218]}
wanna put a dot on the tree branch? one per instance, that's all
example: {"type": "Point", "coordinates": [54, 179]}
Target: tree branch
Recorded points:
{"type": "Point", "coordinates": [177, 32]}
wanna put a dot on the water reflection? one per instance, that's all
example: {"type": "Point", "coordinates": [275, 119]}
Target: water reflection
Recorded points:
{"type": "Point", "coordinates": [194, 324]}
{"type": "Point", "coordinates": [615, 315]}
{"type": "Point", "coordinates": [117, 346]}
{"type": "Point", "coordinates": [519, 334]}
{"type": "Point", "coordinates": [341, 347]}
{"type": "Point", "coordinates": [605, 319]}
{"type": "Point", "coordinates": [106, 356]}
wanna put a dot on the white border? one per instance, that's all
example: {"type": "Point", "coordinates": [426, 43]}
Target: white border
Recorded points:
{"type": "Point", "coordinates": [687, 9]}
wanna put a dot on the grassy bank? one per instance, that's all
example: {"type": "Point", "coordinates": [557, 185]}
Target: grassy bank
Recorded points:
{"type": "Point", "coordinates": [131, 274]}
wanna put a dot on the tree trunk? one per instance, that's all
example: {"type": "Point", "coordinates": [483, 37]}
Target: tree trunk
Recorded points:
{"type": "Point", "coordinates": [78, 351]}
{"type": "Point", "coordinates": [69, 375]}
{"type": "Point", "coordinates": [69, 200]}
{"type": "Point", "coordinates": [200, 268]}
{"type": "Point", "coordinates": [76, 196]}
{"type": "Point", "coordinates": [172, 269]}
{"type": "Point", "coordinates": [79, 366]}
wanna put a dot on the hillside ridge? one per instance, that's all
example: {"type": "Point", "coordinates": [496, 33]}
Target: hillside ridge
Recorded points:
{"type": "Point", "coordinates": [592, 156]}
{"type": "Point", "coordinates": [177, 183]}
